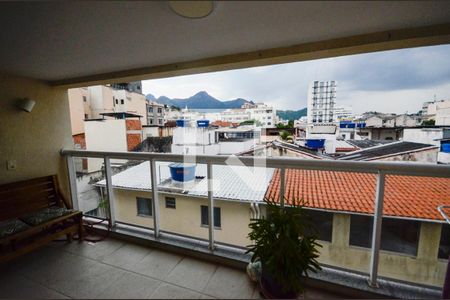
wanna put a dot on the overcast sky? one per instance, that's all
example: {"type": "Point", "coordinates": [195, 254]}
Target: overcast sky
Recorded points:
{"type": "Point", "coordinates": [391, 81]}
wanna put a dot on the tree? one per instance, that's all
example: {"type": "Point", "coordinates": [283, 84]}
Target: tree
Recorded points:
{"type": "Point", "coordinates": [428, 122]}
{"type": "Point", "coordinates": [284, 135]}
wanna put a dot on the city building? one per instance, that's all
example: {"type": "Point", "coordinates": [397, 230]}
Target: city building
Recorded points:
{"type": "Point", "coordinates": [321, 102]}
{"type": "Point", "coordinates": [437, 110]}
{"type": "Point", "coordinates": [183, 204]}
{"type": "Point", "coordinates": [155, 113]}
{"type": "Point", "coordinates": [414, 246]}
{"type": "Point", "coordinates": [437, 136]}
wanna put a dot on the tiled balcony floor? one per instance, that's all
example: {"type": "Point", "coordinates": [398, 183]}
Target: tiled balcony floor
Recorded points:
{"type": "Point", "coordinates": [115, 269]}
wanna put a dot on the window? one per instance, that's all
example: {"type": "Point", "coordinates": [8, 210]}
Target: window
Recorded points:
{"type": "Point", "coordinates": [144, 207]}
{"type": "Point", "coordinates": [122, 101]}
{"type": "Point", "coordinates": [150, 121]}
{"type": "Point", "coordinates": [205, 221]}
{"type": "Point", "coordinates": [444, 244]}
{"type": "Point", "coordinates": [86, 116]}
{"type": "Point", "coordinates": [150, 109]}
{"type": "Point", "coordinates": [160, 121]}
{"type": "Point", "coordinates": [396, 235]}
{"type": "Point", "coordinates": [171, 202]}
{"type": "Point", "coordinates": [117, 101]}
{"type": "Point", "coordinates": [159, 110]}
{"type": "Point", "coordinates": [84, 99]}
{"type": "Point", "coordinates": [323, 222]}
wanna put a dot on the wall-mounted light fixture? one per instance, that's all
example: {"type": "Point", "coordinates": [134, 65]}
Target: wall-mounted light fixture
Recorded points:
{"type": "Point", "coordinates": [26, 104]}
{"type": "Point", "coordinates": [192, 9]}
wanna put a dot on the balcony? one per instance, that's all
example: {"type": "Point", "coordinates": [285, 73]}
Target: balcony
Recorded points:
{"type": "Point", "coordinates": [117, 269]}
{"type": "Point", "coordinates": [378, 261]}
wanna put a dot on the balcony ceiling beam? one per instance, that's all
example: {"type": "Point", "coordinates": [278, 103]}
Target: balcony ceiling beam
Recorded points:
{"type": "Point", "coordinates": [365, 43]}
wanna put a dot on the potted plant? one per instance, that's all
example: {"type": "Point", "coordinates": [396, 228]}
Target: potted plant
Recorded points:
{"type": "Point", "coordinates": [285, 244]}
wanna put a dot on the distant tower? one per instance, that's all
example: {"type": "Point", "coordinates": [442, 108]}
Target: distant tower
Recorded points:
{"type": "Point", "coordinates": [321, 102]}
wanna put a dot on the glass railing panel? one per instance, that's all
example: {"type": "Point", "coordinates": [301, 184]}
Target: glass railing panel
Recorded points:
{"type": "Point", "coordinates": [183, 198]}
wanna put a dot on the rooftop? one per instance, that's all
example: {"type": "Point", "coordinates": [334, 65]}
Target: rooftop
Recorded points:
{"type": "Point", "coordinates": [384, 150]}
{"type": "Point", "coordinates": [233, 183]}
{"type": "Point", "coordinates": [405, 196]}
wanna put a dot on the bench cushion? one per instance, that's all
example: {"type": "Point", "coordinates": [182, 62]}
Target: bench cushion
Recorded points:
{"type": "Point", "coordinates": [12, 226]}
{"type": "Point", "coordinates": [44, 215]}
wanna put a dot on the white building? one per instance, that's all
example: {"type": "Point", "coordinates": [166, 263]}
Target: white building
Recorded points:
{"type": "Point", "coordinates": [193, 140]}
{"type": "Point", "coordinates": [343, 113]}
{"type": "Point", "coordinates": [321, 101]}
{"type": "Point", "coordinates": [263, 114]}
{"type": "Point", "coordinates": [439, 111]}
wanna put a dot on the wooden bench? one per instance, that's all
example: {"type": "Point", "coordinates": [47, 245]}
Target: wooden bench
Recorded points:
{"type": "Point", "coordinates": [33, 213]}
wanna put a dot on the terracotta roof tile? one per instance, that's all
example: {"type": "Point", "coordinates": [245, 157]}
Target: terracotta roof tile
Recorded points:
{"type": "Point", "coordinates": [405, 196]}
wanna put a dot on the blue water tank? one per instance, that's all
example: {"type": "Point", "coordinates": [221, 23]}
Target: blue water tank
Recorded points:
{"type": "Point", "coordinates": [315, 143]}
{"type": "Point", "coordinates": [202, 123]}
{"type": "Point", "coordinates": [182, 123]}
{"type": "Point", "coordinates": [445, 147]}
{"type": "Point", "coordinates": [351, 125]}
{"type": "Point", "coordinates": [182, 172]}
{"type": "Point", "coordinates": [361, 125]}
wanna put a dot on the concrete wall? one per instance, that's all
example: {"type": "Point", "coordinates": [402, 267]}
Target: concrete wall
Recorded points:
{"type": "Point", "coordinates": [186, 218]}
{"type": "Point", "coordinates": [443, 112]}
{"type": "Point", "coordinates": [77, 110]}
{"type": "Point", "coordinates": [33, 139]}
{"type": "Point", "coordinates": [108, 135]}
{"type": "Point", "coordinates": [423, 135]}
{"type": "Point", "coordinates": [426, 268]}
{"type": "Point", "coordinates": [101, 100]}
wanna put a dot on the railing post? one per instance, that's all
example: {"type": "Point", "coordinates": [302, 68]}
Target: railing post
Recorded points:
{"type": "Point", "coordinates": [282, 185]}
{"type": "Point", "coordinates": [155, 199]}
{"type": "Point", "coordinates": [376, 233]}
{"type": "Point", "coordinates": [209, 178]}
{"type": "Point", "coordinates": [72, 182]}
{"type": "Point", "coordinates": [109, 192]}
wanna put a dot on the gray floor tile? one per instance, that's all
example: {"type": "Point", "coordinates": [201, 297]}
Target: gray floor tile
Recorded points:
{"type": "Point", "coordinates": [132, 286]}
{"type": "Point", "coordinates": [127, 256]}
{"type": "Point", "coordinates": [169, 291]}
{"type": "Point", "coordinates": [157, 264]}
{"type": "Point", "coordinates": [229, 283]}
{"type": "Point", "coordinates": [191, 273]}
{"type": "Point", "coordinates": [17, 286]}
{"type": "Point", "coordinates": [207, 297]}
{"type": "Point", "coordinates": [98, 251]}
{"type": "Point", "coordinates": [90, 283]}
{"type": "Point", "coordinates": [49, 270]}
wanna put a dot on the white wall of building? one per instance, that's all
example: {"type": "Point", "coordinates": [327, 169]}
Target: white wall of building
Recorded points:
{"type": "Point", "coordinates": [107, 135]}
{"type": "Point", "coordinates": [423, 135]}
{"type": "Point", "coordinates": [443, 112]}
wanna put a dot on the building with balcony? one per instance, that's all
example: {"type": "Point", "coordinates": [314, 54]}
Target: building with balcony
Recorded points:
{"type": "Point", "coordinates": [42, 61]}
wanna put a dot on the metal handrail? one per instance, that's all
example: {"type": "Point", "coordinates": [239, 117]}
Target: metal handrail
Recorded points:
{"type": "Point", "coordinates": [393, 168]}
{"type": "Point", "coordinates": [381, 169]}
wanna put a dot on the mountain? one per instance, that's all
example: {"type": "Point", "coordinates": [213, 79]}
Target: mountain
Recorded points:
{"type": "Point", "coordinates": [201, 100]}
{"type": "Point", "coordinates": [291, 114]}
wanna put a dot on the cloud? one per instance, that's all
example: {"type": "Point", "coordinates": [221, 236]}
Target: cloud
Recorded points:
{"type": "Point", "coordinates": [397, 81]}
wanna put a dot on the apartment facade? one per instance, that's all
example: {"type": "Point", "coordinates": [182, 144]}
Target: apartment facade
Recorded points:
{"type": "Point", "coordinates": [183, 205]}
{"type": "Point", "coordinates": [415, 243]}
{"type": "Point", "coordinates": [155, 113]}
{"type": "Point", "coordinates": [321, 102]}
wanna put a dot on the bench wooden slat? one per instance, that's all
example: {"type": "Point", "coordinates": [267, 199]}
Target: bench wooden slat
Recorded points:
{"type": "Point", "coordinates": [20, 198]}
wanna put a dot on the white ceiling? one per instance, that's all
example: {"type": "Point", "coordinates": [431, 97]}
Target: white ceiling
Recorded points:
{"type": "Point", "coordinates": [62, 40]}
